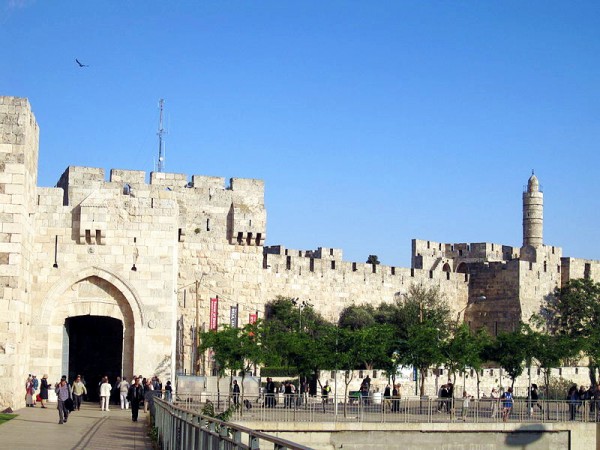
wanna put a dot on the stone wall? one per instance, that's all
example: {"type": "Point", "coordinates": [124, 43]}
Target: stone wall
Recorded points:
{"type": "Point", "coordinates": [18, 178]}
{"type": "Point", "coordinates": [151, 250]}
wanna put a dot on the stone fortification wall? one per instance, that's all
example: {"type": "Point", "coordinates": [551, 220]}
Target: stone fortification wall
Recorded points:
{"type": "Point", "coordinates": [431, 255]}
{"type": "Point", "coordinates": [538, 280]}
{"type": "Point", "coordinates": [574, 268]}
{"type": "Point", "coordinates": [19, 136]}
{"type": "Point", "coordinates": [494, 296]}
{"type": "Point", "coordinates": [332, 284]}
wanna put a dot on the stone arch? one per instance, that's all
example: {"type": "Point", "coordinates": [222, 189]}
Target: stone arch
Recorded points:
{"type": "Point", "coordinates": [446, 268]}
{"type": "Point", "coordinates": [92, 291]}
{"type": "Point", "coordinates": [129, 293]}
{"type": "Point", "coordinates": [462, 268]}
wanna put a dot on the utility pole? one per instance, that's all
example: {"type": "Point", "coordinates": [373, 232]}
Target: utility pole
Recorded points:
{"type": "Point", "coordinates": [161, 132]}
{"type": "Point", "coordinates": [197, 362]}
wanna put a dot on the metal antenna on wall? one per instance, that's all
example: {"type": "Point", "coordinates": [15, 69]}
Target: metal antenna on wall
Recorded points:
{"type": "Point", "coordinates": [161, 132]}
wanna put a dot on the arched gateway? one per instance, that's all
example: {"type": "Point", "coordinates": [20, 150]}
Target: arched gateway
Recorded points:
{"type": "Point", "coordinates": [91, 320]}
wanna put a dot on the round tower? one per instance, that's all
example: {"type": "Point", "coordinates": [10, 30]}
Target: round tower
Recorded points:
{"type": "Point", "coordinates": [533, 214]}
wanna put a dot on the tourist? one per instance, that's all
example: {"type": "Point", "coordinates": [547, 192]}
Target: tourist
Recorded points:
{"type": "Point", "coordinates": [135, 396]}
{"type": "Point", "coordinates": [325, 390]}
{"type": "Point", "coordinates": [115, 393]}
{"type": "Point", "coordinates": [105, 390]}
{"type": "Point", "coordinates": [63, 393]}
{"type": "Point", "coordinates": [168, 391]}
{"type": "Point", "coordinates": [79, 390]}
{"type": "Point", "coordinates": [123, 388]}
{"type": "Point", "coordinates": [270, 397]}
{"type": "Point", "coordinates": [574, 401]}
{"type": "Point", "coordinates": [44, 390]}
{"type": "Point", "coordinates": [396, 397]}
{"type": "Point", "coordinates": [36, 384]}
{"type": "Point", "coordinates": [494, 397]}
{"type": "Point", "coordinates": [507, 404]}
{"type": "Point", "coordinates": [236, 393]}
{"type": "Point", "coordinates": [387, 398]}
{"type": "Point", "coordinates": [148, 395]}
{"type": "Point", "coordinates": [29, 392]}
{"type": "Point", "coordinates": [443, 395]}
{"type": "Point", "coordinates": [466, 400]}
{"type": "Point", "coordinates": [534, 399]}
{"type": "Point", "coordinates": [450, 400]}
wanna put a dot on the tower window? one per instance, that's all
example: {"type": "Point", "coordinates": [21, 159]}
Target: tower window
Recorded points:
{"type": "Point", "coordinates": [587, 271]}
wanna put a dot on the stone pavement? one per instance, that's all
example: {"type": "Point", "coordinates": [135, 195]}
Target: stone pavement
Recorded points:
{"type": "Point", "coordinates": [89, 428]}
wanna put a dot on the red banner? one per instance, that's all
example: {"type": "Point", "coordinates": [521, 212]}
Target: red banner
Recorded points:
{"type": "Point", "coordinates": [214, 313]}
{"type": "Point", "coordinates": [253, 318]}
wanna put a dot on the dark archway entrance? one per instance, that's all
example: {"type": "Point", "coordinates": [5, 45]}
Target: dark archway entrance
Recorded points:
{"type": "Point", "coordinates": [95, 349]}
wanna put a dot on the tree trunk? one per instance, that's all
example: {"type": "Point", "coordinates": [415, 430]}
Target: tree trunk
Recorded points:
{"type": "Point", "coordinates": [422, 386]}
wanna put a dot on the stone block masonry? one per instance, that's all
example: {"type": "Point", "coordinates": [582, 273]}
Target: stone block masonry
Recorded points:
{"type": "Point", "coordinates": [132, 248]}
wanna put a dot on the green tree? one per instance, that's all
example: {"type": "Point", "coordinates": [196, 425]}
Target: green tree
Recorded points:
{"type": "Point", "coordinates": [235, 350]}
{"type": "Point", "coordinates": [421, 324]}
{"type": "Point", "coordinates": [373, 259]}
{"type": "Point", "coordinates": [574, 311]}
{"type": "Point", "coordinates": [465, 350]}
{"type": "Point", "coordinates": [550, 351]}
{"type": "Point", "coordinates": [356, 317]}
{"type": "Point", "coordinates": [511, 350]}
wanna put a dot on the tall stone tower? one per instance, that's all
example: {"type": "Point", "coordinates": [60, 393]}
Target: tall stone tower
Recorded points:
{"type": "Point", "coordinates": [533, 214]}
{"type": "Point", "coordinates": [18, 180]}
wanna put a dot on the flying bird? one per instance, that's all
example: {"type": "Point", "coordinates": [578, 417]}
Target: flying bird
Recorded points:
{"type": "Point", "coordinates": [80, 64]}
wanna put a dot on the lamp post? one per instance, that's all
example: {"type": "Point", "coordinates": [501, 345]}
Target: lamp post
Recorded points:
{"type": "Point", "coordinates": [195, 341]}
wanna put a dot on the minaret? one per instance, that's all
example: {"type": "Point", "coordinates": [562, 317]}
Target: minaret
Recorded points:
{"type": "Point", "coordinates": [533, 214]}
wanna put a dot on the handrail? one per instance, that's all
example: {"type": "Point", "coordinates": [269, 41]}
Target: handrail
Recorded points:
{"type": "Point", "coordinates": [182, 429]}
{"type": "Point", "coordinates": [294, 408]}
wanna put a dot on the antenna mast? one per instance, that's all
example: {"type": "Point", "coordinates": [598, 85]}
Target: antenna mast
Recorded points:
{"type": "Point", "coordinates": [161, 132]}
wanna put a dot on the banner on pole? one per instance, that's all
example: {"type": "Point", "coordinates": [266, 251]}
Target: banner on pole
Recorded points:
{"type": "Point", "coordinates": [214, 313]}
{"type": "Point", "coordinates": [233, 316]}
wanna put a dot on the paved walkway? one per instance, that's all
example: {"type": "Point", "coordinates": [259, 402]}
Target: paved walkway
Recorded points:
{"type": "Point", "coordinates": [89, 428]}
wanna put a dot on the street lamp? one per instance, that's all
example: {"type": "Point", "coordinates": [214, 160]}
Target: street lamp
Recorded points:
{"type": "Point", "coordinates": [301, 305]}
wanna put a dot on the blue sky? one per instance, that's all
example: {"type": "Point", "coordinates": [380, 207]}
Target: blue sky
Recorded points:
{"type": "Point", "coordinates": [370, 122]}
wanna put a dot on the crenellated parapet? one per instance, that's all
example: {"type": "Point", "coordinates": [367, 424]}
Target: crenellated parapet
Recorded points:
{"type": "Point", "coordinates": [430, 255]}
{"type": "Point", "coordinates": [205, 207]}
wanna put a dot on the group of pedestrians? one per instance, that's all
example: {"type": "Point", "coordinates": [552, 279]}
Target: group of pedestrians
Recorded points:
{"type": "Point", "coordinates": [32, 396]}
{"type": "Point", "coordinates": [69, 397]}
{"type": "Point", "coordinates": [578, 398]}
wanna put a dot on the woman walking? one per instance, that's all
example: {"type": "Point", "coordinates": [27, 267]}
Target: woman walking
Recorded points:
{"type": "Point", "coordinates": [105, 389]}
{"type": "Point", "coordinates": [44, 390]}
{"type": "Point", "coordinates": [29, 392]}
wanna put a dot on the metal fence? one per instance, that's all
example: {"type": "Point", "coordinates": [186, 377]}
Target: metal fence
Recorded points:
{"type": "Point", "coordinates": [181, 429]}
{"type": "Point", "coordinates": [295, 408]}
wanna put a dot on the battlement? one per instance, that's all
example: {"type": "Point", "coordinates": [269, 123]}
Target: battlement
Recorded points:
{"type": "Point", "coordinates": [319, 253]}
{"type": "Point", "coordinates": [574, 268]}
{"type": "Point", "coordinates": [328, 262]}
{"type": "Point", "coordinates": [87, 177]}
{"type": "Point", "coordinates": [487, 251]}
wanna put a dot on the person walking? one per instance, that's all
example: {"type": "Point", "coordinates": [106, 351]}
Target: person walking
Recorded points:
{"type": "Point", "coordinates": [135, 396]}
{"type": "Point", "coordinates": [44, 386]}
{"type": "Point", "coordinates": [574, 401]}
{"type": "Point", "coordinates": [29, 391]}
{"type": "Point", "coordinates": [494, 397]}
{"type": "Point", "coordinates": [168, 391]}
{"type": "Point", "coordinates": [236, 393]}
{"type": "Point", "coordinates": [105, 389]}
{"type": "Point", "coordinates": [63, 393]}
{"type": "Point", "coordinates": [78, 391]}
{"type": "Point", "coordinates": [534, 399]}
{"type": "Point", "coordinates": [507, 404]}
{"type": "Point", "coordinates": [123, 388]}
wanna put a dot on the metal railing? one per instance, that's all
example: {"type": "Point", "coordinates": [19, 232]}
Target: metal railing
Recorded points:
{"type": "Point", "coordinates": [293, 408]}
{"type": "Point", "coordinates": [182, 429]}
